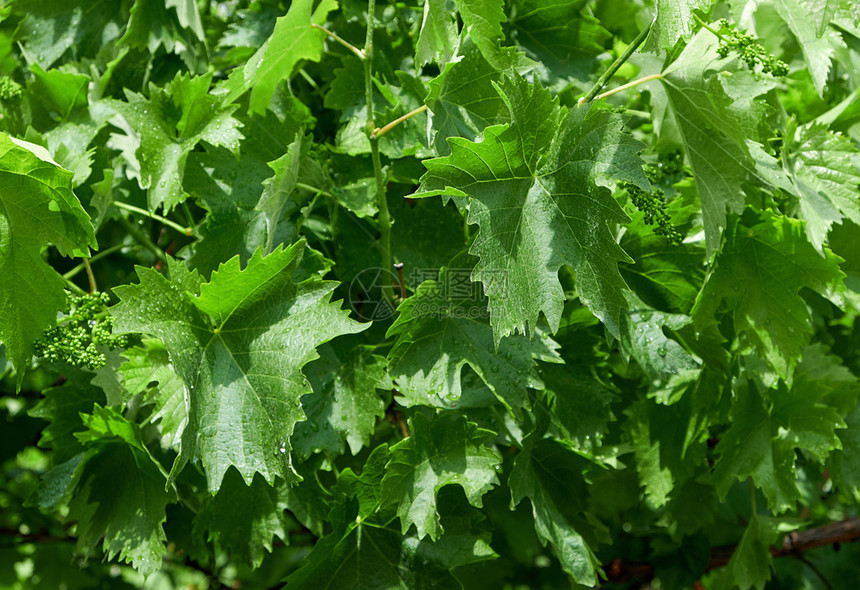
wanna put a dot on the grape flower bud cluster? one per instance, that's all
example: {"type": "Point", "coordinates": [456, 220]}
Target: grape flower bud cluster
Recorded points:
{"type": "Point", "coordinates": [79, 334]}
{"type": "Point", "coordinates": [749, 50]}
{"type": "Point", "coordinates": [653, 204]}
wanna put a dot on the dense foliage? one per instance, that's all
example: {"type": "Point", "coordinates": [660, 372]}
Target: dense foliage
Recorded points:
{"type": "Point", "coordinates": [387, 295]}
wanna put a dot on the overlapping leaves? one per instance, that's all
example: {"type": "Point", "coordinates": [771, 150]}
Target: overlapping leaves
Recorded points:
{"type": "Point", "coordinates": [532, 192]}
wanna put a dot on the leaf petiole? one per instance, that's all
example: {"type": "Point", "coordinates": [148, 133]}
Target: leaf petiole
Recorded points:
{"type": "Point", "coordinates": [607, 75]}
{"type": "Point", "coordinates": [383, 130]}
{"type": "Point", "coordinates": [361, 54]}
{"type": "Point", "coordinates": [706, 26]}
{"type": "Point", "coordinates": [183, 230]}
{"type": "Point", "coordinates": [629, 85]}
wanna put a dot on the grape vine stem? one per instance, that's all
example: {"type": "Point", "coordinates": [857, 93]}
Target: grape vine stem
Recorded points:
{"type": "Point", "coordinates": [795, 544]}
{"type": "Point", "coordinates": [610, 71]}
{"type": "Point", "coordinates": [384, 218]}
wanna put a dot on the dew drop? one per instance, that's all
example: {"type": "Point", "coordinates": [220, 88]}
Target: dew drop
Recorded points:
{"type": "Point", "coordinates": [661, 351]}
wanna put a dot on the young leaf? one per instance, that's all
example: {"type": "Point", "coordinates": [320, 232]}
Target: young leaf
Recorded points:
{"type": "Point", "coordinates": [171, 123]}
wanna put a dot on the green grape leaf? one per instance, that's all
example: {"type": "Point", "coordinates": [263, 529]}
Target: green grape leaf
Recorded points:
{"type": "Point", "coordinates": [843, 463]}
{"type": "Point", "coordinates": [442, 329]}
{"type": "Point", "coordinates": [229, 189]}
{"type": "Point", "coordinates": [674, 21]}
{"type": "Point", "coordinates": [463, 99]}
{"type": "Point", "coordinates": [251, 29]}
{"type": "Point", "coordinates": [764, 262]}
{"type": "Point", "coordinates": [824, 10]}
{"type": "Point", "coordinates": [365, 551]}
{"type": "Point", "coordinates": [532, 191]}
{"type": "Point", "coordinates": [69, 144]}
{"type": "Point", "coordinates": [817, 49]}
{"type": "Point", "coordinates": [150, 363]}
{"type": "Point", "coordinates": [424, 247]}
{"type": "Point", "coordinates": [823, 168]}
{"type": "Point", "coordinates": [483, 20]}
{"type": "Point", "coordinates": [238, 343]}
{"type": "Point", "coordinates": [244, 519]}
{"type": "Point", "coordinates": [60, 91]}
{"type": "Point", "coordinates": [293, 40]}
{"type": "Point", "coordinates": [441, 450]}
{"type": "Point", "coordinates": [371, 557]}
{"type": "Point", "coordinates": [152, 24]}
{"type": "Point", "coordinates": [578, 405]}
{"type": "Point", "coordinates": [277, 189]}
{"type": "Point", "coordinates": [550, 476]}
{"type": "Point", "coordinates": [119, 492]}
{"type": "Point", "coordinates": [665, 276]}
{"type": "Point", "coordinates": [643, 338]}
{"type": "Point", "coordinates": [764, 434]}
{"type": "Point", "coordinates": [713, 121]}
{"type": "Point", "coordinates": [62, 407]}
{"type": "Point", "coordinates": [559, 36]}
{"type": "Point", "coordinates": [37, 208]}
{"type": "Point", "coordinates": [52, 28]}
{"type": "Point", "coordinates": [345, 403]}
{"type": "Point", "coordinates": [438, 36]}
{"type": "Point", "coordinates": [405, 139]}
{"type": "Point", "coordinates": [170, 124]}
{"type": "Point", "coordinates": [751, 563]}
